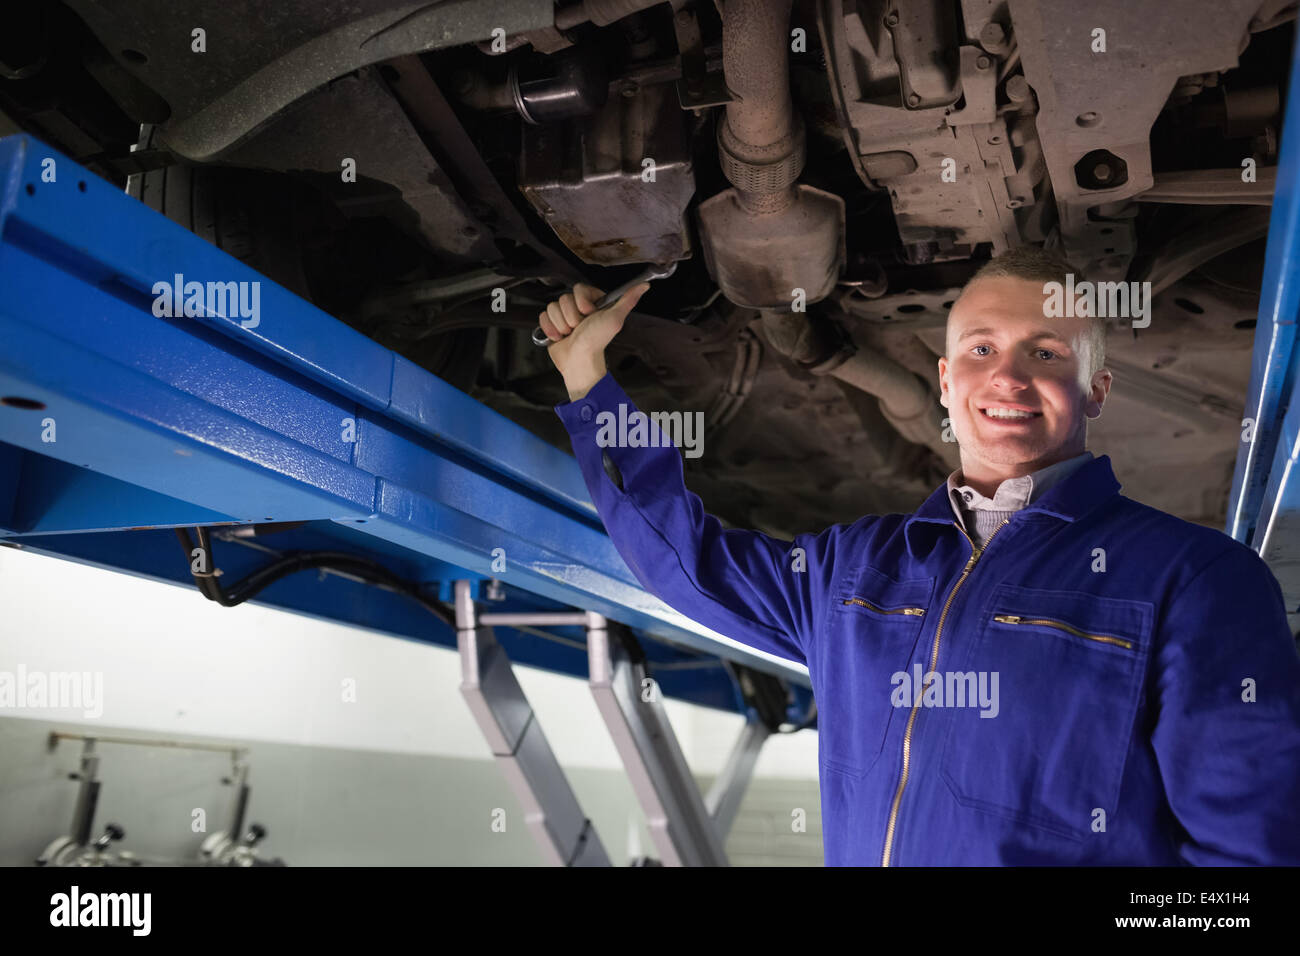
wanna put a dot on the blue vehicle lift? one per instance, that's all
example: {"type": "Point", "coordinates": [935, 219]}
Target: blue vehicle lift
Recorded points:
{"type": "Point", "coordinates": [1264, 504]}
{"type": "Point", "coordinates": [118, 426]}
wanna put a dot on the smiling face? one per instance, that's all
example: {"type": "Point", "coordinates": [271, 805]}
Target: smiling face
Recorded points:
{"type": "Point", "coordinates": [1015, 382]}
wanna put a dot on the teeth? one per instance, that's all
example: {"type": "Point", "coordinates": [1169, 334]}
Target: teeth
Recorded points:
{"type": "Point", "coordinates": [1007, 413]}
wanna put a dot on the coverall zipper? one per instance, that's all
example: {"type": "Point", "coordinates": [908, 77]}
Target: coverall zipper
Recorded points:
{"type": "Point", "coordinates": [934, 662]}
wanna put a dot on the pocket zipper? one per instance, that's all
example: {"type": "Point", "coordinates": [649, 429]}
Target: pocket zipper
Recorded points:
{"type": "Point", "coordinates": [1017, 619]}
{"type": "Point", "coordinates": [915, 611]}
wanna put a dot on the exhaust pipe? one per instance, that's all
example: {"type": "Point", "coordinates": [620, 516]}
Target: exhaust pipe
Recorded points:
{"type": "Point", "coordinates": [769, 242]}
{"type": "Point", "coordinates": [819, 345]}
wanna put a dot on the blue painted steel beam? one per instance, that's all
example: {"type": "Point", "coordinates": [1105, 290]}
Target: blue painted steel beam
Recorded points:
{"type": "Point", "coordinates": [161, 422]}
{"type": "Point", "coordinates": [1265, 486]}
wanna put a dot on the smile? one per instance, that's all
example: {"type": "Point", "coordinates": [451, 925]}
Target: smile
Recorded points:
{"type": "Point", "coordinates": [1009, 414]}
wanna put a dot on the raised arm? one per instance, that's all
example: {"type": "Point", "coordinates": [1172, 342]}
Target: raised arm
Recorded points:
{"type": "Point", "coordinates": [747, 585]}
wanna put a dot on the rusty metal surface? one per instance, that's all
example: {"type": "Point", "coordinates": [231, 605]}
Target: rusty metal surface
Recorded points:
{"type": "Point", "coordinates": [912, 105]}
{"type": "Point", "coordinates": [975, 81]}
{"type": "Point", "coordinates": [587, 179]}
{"type": "Point", "coordinates": [760, 261]}
{"type": "Point", "coordinates": [1094, 101]}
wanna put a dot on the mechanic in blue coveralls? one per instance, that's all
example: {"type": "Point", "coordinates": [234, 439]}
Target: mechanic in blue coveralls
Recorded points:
{"type": "Point", "coordinates": [1148, 682]}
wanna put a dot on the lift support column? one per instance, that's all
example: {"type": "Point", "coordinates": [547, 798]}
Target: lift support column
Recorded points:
{"type": "Point", "coordinates": [551, 809]}
{"type": "Point", "coordinates": [685, 830]}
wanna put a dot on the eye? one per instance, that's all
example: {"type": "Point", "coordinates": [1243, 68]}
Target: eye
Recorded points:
{"type": "Point", "coordinates": [1049, 352]}
{"type": "Point", "coordinates": [980, 347]}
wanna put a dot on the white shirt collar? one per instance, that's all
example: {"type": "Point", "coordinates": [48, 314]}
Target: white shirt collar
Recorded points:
{"type": "Point", "coordinates": [1013, 493]}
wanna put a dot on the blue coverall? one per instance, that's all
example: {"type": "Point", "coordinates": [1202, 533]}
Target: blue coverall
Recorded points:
{"type": "Point", "coordinates": [1149, 683]}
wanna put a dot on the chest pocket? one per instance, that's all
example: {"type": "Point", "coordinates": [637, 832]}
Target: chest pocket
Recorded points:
{"type": "Point", "coordinates": [1069, 668]}
{"type": "Point", "coordinates": [872, 628]}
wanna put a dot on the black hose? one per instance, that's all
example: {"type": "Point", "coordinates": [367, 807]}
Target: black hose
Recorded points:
{"type": "Point", "coordinates": [369, 571]}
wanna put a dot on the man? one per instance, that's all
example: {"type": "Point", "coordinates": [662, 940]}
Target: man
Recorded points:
{"type": "Point", "coordinates": [1031, 668]}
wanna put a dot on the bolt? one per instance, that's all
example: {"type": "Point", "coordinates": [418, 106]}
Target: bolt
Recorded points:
{"type": "Point", "coordinates": [892, 19]}
{"type": "Point", "coordinates": [1014, 204]}
{"type": "Point", "coordinates": [1017, 89]}
{"type": "Point", "coordinates": [983, 63]}
{"type": "Point", "coordinates": [913, 99]}
{"type": "Point", "coordinates": [993, 37]}
{"type": "Point", "coordinates": [1101, 173]}
{"type": "Point", "coordinates": [995, 140]}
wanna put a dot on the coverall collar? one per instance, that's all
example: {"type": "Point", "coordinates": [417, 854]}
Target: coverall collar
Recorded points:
{"type": "Point", "coordinates": [1074, 496]}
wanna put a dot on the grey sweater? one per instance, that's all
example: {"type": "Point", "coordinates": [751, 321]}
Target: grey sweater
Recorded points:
{"type": "Point", "coordinates": [979, 516]}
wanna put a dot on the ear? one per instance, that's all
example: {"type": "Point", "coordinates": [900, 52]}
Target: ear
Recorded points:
{"type": "Point", "coordinates": [1101, 382]}
{"type": "Point", "coordinates": [943, 381]}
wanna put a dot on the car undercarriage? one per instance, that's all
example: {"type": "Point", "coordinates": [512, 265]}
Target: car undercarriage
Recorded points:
{"type": "Point", "coordinates": [826, 175]}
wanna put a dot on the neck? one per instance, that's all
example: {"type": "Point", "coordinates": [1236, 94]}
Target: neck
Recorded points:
{"type": "Point", "coordinates": [985, 478]}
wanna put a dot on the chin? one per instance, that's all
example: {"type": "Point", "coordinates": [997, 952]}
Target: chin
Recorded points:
{"type": "Point", "coordinates": [1011, 451]}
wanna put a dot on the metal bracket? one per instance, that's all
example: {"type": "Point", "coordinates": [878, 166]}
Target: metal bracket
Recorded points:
{"type": "Point", "coordinates": [979, 84]}
{"type": "Point", "coordinates": [697, 88]}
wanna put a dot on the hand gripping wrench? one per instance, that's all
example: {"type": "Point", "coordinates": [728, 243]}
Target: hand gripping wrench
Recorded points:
{"type": "Point", "coordinates": [650, 273]}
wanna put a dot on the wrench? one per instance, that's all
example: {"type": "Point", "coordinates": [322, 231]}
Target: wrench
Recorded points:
{"type": "Point", "coordinates": [651, 272]}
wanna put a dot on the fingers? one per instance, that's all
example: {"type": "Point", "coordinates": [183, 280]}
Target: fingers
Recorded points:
{"type": "Point", "coordinates": [564, 314]}
{"type": "Point", "coordinates": [548, 328]}
{"type": "Point", "coordinates": [569, 308]}
{"type": "Point", "coordinates": [587, 296]}
{"type": "Point", "coordinates": [560, 318]}
{"type": "Point", "coordinates": [555, 313]}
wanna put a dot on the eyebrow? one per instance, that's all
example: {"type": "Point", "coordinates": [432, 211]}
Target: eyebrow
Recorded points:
{"type": "Point", "coordinates": [1037, 335]}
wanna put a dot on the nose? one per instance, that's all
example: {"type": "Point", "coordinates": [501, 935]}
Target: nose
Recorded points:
{"type": "Point", "coordinates": [1010, 372]}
